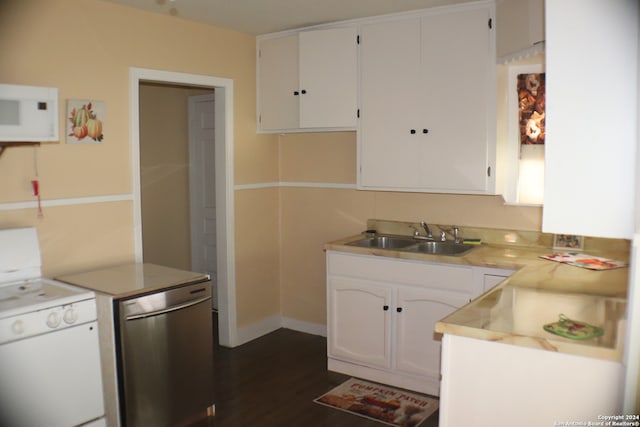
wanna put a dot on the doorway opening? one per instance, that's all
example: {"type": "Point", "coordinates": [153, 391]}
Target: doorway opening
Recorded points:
{"type": "Point", "coordinates": [221, 90]}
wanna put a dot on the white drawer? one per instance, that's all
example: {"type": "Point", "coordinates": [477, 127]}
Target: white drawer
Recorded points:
{"type": "Point", "coordinates": [400, 271]}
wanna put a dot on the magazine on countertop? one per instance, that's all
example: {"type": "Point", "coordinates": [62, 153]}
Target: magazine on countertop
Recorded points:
{"type": "Point", "coordinates": [585, 261]}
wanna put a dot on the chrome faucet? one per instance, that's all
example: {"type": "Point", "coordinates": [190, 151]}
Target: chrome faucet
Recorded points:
{"type": "Point", "coordinates": [455, 233]}
{"type": "Point", "coordinates": [427, 230]}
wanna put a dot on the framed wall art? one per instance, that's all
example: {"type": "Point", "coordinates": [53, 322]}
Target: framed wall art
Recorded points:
{"type": "Point", "coordinates": [531, 89]}
{"type": "Point", "coordinates": [85, 121]}
{"type": "Point", "coordinates": [568, 242]}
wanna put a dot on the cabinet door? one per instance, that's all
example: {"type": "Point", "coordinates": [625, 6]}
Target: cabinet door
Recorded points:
{"type": "Point", "coordinates": [590, 150]}
{"type": "Point", "coordinates": [277, 82]}
{"type": "Point", "coordinates": [389, 102]}
{"type": "Point", "coordinates": [328, 78]}
{"type": "Point", "coordinates": [427, 103]}
{"type": "Point", "coordinates": [308, 80]}
{"type": "Point", "coordinates": [417, 351]}
{"type": "Point", "coordinates": [458, 78]}
{"type": "Point", "coordinates": [359, 325]}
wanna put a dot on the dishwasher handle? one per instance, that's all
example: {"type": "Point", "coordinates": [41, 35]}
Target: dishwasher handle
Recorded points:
{"type": "Point", "coordinates": [168, 309]}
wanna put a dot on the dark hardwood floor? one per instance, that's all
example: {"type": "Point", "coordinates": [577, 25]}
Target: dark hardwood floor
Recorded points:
{"type": "Point", "coordinates": [272, 381]}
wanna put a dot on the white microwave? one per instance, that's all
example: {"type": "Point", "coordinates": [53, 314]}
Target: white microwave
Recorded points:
{"type": "Point", "coordinates": [28, 113]}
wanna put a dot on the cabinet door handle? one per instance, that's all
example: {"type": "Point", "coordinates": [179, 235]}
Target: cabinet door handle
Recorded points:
{"type": "Point", "coordinates": [425, 130]}
{"type": "Point", "coordinates": [399, 309]}
{"type": "Point", "coordinates": [385, 307]}
{"type": "Point", "coordinates": [296, 93]}
{"type": "Point", "coordinates": [412, 131]}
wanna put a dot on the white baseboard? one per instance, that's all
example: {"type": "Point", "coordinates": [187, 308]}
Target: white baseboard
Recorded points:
{"type": "Point", "coordinates": [273, 323]}
{"type": "Point", "coordinates": [258, 329]}
{"type": "Point", "coordinates": [302, 326]}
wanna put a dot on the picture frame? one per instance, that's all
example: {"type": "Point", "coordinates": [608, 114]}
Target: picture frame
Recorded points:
{"type": "Point", "coordinates": [85, 121]}
{"type": "Point", "coordinates": [531, 88]}
{"type": "Point", "coordinates": [570, 242]}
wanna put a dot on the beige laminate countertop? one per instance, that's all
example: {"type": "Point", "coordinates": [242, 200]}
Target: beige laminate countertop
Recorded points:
{"type": "Point", "coordinates": [133, 279]}
{"type": "Point", "coordinates": [515, 311]}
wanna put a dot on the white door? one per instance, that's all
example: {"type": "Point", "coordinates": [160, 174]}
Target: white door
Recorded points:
{"type": "Point", "coordinates": [202, 189]}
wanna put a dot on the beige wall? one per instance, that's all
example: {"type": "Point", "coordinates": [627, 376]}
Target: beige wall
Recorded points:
{"type": "Point", "coordinates": [85, 48]}
{"type": "Point", "coordinates": [78, 238]}
{"type": "Point", "coordinates": [257, 254]}
{"type": "Point", "coordinates": [312, 216]}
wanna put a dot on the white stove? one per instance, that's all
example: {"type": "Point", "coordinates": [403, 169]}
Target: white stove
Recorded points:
{"type": "Point", "coordinates": [49, 354]}
{"type": "Point", "coordinates": [38, 306]}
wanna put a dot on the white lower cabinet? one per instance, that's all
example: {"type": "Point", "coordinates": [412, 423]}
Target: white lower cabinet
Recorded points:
{"type": "Point", "coordinates": [416, 349]}
{"type": "Point", "coordinates": [486, 278]}
{"type": "Point", "coordinates": [360, 325]}
{"type": "Point", "coordinates": [487, 383]}
{"type": "Point", "coordinates": [381, 317]}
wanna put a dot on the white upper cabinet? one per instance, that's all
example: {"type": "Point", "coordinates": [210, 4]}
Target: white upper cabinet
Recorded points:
{"type": "Point", "coordinates": [390, 100]}
{"type": "Point", "coordinates": [328, 78]}
{"type": "Point", "coordinates": [592, 117]}
{"type": "Point", "coordinates": [308, 81]}
{"type": "Point", "coordinates": [427, 102]}
{"type": "Point", "coordinates": [277, 82]}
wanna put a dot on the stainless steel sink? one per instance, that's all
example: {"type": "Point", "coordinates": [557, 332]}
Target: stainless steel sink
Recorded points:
{"type": "Point", "coordinates": [409, 244]}
{"type": "Point", "coordinates": [440, 248]}
{"type": "Point", "coordinates": [384, 242]}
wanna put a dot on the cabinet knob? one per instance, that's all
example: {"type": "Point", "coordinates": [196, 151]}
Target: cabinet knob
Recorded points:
{"type": "Point", "coordinates": [425, 130]}
{"type": "Point", "coordinates": [296, 93]}
{"type": "Point", "coordinates": [413, 131]}
{"type": "Point", "coordinates": [399, 309]}
{"type": "Point", "coordinates": [385, 307]}
{"type": "Point", "coordinates": [303, 91]}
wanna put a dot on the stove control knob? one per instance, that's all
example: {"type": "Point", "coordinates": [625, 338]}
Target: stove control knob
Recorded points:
{"type": "Point", "coordinates": [70, 316]}
{"type": "Point", "coordinates": [53, 320]}
{"type": "Point", "coordinates": [18, 327]}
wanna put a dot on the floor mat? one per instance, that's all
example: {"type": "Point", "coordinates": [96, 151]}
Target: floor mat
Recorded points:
{"type": "Point", "coordinates": [381, 403]}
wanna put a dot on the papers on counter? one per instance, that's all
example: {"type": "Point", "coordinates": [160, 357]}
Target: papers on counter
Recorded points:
{"type": "Point", "coordinates": [585, 261]}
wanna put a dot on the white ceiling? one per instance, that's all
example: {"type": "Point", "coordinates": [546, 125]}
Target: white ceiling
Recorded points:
{"type": "Point", "coordinates": [267, 16]}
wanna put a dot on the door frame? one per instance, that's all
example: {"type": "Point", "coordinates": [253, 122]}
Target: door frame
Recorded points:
{"type": "Point", "coordinates": [225, 241]}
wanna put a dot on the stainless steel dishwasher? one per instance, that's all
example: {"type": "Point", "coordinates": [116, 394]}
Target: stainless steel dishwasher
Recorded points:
{"type": "Point", "coordinates": [166, 356]}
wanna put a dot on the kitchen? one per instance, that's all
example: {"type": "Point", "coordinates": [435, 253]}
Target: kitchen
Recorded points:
{"type": "Point", "coordinates": [295, 189]}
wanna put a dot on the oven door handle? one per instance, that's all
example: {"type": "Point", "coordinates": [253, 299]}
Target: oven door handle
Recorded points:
{"type": "Point", "coordinates": [168, 309]}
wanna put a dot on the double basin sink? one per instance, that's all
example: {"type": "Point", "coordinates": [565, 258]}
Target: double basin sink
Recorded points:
{"type": "Point", "coordinates": [410, 244]}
